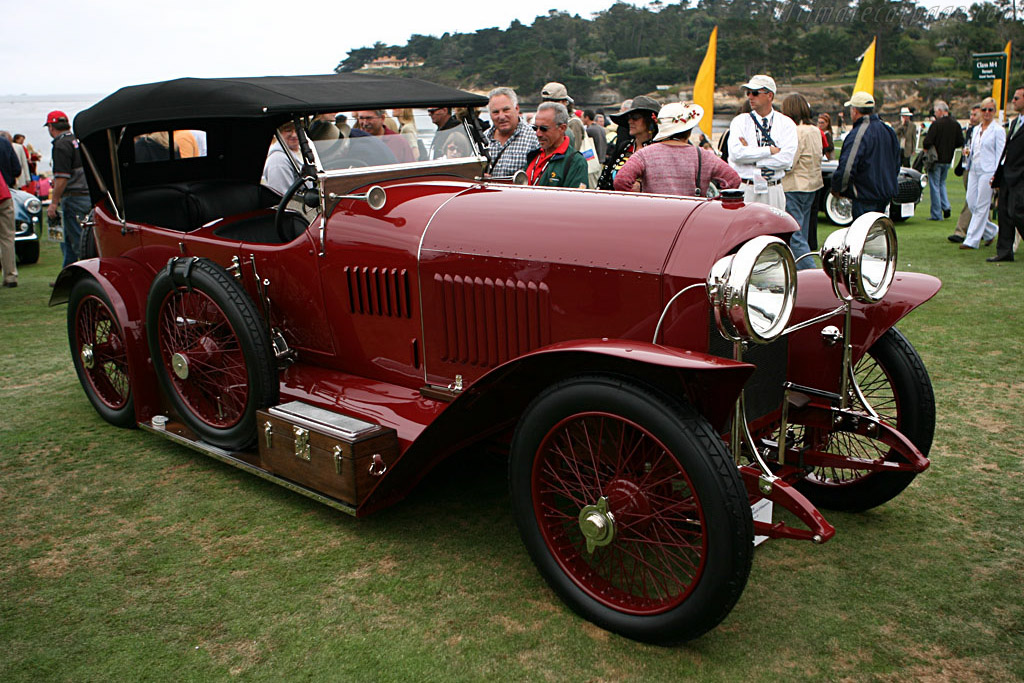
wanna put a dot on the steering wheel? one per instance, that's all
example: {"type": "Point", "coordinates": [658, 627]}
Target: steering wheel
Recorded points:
{"type": "Point", "coordinates": [281, 209]}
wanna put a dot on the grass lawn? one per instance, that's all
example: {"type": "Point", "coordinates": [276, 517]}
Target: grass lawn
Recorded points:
{"type": "Point", "coordinates": [125, 557]}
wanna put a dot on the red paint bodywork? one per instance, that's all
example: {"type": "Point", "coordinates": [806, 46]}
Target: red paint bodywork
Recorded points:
{"type": "Point", "coordinates": [509, 288]}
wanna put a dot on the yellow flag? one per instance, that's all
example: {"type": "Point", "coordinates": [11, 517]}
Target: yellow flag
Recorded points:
{"type": "Point", "coordinates": [866, 77]}
{"type": "Point", "coordinates": [997, 84]}
{"type": "Point", "coordinates": [704, 86]}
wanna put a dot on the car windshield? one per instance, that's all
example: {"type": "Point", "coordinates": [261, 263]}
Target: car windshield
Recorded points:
{"type": "Point", "coordinates": [365, 150]}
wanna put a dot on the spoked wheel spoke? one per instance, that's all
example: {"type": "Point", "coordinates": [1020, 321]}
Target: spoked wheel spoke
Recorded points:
{"type": "Point", "coordinates": [99, 350]}
{"type": "Point", "coordinates": [894, 382]}
{"type": "Point", "coordinates": [212, 351]}
{"type": "Point", "coordinates": [203, 357]}
{"type": "Point", "coordinates": [102, 352]}
{"type": "Point", "coordinates": [655, 554]}
{"type": "Point", "coordinates": [631, 508]}
{"type": "Point", "coordinates": [877, 388]}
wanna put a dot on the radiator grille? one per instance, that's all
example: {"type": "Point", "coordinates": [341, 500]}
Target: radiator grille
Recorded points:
{"type": "Point", "coordinates": [378, 291]}
{"type": "Point", "coordinates": [487, 322]}
{"type": "Point", "coordinates": [763, 391]}
{"type": "Point", "coordinates": [908, 190]}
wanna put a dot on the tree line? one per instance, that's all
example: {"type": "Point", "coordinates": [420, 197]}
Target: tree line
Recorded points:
{"type": "Point", "coordinates": [632, 49]}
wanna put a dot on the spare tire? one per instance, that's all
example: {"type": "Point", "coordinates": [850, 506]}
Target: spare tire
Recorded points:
{"type": "Point", "coordinates": [211, 350]}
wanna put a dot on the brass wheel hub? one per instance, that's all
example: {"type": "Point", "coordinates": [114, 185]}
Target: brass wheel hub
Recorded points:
{"type": "Point", "coordinates": [180, 365]}
{"type": "Point", "coordinates": [88, 359]}
{"type": "Point", "coordinates": [597, 524]}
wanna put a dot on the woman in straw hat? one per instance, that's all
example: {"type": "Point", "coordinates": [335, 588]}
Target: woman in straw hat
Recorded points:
{"type": "Point", "coordinates": [674, 166]}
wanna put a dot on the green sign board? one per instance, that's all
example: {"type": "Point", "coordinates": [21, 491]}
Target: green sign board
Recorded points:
{"type": "Point", "coordinates": [989, 66]}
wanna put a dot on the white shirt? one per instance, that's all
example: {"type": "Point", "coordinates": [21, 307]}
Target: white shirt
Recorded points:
{"type": "Point", "coordinates": [987, 147]}
{"type": "Point", "coordinates": [278, 172]}
{"type": "Point", "coordinates": [755, 157]}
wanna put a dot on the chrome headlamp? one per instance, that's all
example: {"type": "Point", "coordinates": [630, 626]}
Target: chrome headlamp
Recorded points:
{"type": "Point", "coordinates": [861, 259]}
{"type": "Point", "coordinates": [33, 205]}
{"type": "Point", "coordinates": [752, 291]}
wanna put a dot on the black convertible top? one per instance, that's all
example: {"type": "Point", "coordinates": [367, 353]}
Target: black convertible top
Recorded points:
{"type": "Point", "coordinates": [263, 97]}
{"type": "Point", "coordinates": [238, 116]}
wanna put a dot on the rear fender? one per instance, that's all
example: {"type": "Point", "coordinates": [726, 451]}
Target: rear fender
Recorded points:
{"type": "Point", "coordinates": [126, 284]}
{"type": "Point", "coordinates": [811, 358]}
{"type": "Point", "coordinates": [495, 402]}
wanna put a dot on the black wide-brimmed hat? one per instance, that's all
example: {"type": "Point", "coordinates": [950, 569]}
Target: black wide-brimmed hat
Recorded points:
{"type": "Point", "coordinates": [642, 104]}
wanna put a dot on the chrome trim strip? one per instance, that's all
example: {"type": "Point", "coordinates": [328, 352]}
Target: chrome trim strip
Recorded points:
{"type": "Point", "coordinates": [227, 458]}
{"type": "Point", "coordinates": [419, 280]}
{"type": "Point", "coordinates": [664, 311]}
{"type": "Point", "coordinates": [816, 319]}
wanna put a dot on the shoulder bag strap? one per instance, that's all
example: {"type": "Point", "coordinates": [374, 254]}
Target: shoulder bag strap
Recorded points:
{"type": "Point", "coordinates": [700, 158]}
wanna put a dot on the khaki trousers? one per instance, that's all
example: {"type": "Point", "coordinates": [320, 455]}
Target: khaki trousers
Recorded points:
{"type": "Point", "coordinates": [8, 257]}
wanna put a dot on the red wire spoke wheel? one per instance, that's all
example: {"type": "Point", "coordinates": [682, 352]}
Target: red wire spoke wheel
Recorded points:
{"type": "Point", "coordinates": [631, 509]}
{"type": "Point", "coordinates": [203, 358]}
{"type": "Point", "coordinates": [100, 353]}
{"type": "Point", "coordinates": [894, 381]}
{"type": "Point", "coordinates": [211, 350]}
{"type": "Point", "coordinates": [650, 524]}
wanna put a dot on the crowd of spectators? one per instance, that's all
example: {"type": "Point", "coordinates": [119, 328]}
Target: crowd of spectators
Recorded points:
{"type": "Point", "coordinates": [773, 154]}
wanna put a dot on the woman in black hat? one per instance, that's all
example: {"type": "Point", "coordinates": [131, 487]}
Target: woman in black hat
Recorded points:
{"type": "Point", "coordinates": [637, 128]}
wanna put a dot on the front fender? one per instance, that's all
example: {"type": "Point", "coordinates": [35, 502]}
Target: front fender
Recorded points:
{"type": "Point", "coordinates": [811, 358]}
{"type": "Point", "coordinates": [126, 284]}
{"type": "Point", "coordinates": [495, 402]}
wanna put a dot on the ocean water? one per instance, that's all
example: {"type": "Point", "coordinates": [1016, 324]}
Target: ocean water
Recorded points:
{"type": "Point", "coordinates": [26, 114]}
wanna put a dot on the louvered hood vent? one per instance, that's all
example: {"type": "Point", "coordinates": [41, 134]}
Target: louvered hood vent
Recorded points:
{"type": "Point", "coordinates": [487, 322]}
{"type": "Point", "coordinates": [378, 291]}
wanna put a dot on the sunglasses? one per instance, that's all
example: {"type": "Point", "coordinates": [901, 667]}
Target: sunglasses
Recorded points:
{"type": "Point", "coordinates": [434, 110]}
{"type": "Point", "coordinates": [542, 129]}
{"type": "Point", "coordinates": [987, 109]}
{"type": "Point", "coordinates": [762, 91]}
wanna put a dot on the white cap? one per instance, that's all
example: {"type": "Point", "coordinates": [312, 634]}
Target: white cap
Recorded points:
{"type": "Point", "coordinates": [860, 99]}
{"type": "Point", "coordinates": [760, 81]}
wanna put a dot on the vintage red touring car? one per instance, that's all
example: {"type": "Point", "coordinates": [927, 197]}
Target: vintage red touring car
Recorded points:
{"type": "Point", "coordinates": [654, 365]}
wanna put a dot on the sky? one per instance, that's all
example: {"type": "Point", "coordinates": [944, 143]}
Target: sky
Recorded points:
{"type": "Point", "coordinates": [98, 46]}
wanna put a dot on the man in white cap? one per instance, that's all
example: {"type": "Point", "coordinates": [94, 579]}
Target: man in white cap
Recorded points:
{"type": "Point", "coordinates": [906, 131]}
{"type": "Point", "coordinates": [869, 165]}
{"type": "Point", "coordinates": [762, 145]}
{"type": "Point", "coordinates": [556, 92]}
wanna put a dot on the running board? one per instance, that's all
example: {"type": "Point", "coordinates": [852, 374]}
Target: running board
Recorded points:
{"type": "Point", "coordinates": [232, 459]}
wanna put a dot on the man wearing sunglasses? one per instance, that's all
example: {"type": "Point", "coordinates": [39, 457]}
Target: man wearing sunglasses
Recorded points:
{"type": "Point", "coordinates": [443, 119]}
{"type": "Point", "coordinates": [555, 164]}
{"type": "Point", "coordinates": [762, 145]}
{"type": "Point", "coordinates": [944, 136]}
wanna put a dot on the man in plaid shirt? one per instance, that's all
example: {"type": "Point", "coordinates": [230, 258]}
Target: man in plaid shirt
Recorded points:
{"type": "Point", "coordinates": [510, 138]}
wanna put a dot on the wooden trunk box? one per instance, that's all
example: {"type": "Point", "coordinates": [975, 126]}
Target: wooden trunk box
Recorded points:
{"type": "Point", "coordinates": [340, 456]}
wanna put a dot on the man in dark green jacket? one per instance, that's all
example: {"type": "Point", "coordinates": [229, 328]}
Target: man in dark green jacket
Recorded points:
{"type": "Point", "coordinates": [556, 163]}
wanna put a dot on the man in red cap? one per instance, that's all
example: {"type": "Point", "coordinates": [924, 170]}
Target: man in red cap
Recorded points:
{"type": "Point", "coordinates": [70, 191]}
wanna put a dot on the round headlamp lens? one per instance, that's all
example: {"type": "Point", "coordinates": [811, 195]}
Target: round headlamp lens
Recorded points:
{"type": "Point", "coordinates": [768, 293]}
{"type": "Point", "coordinates": [875, 264]}
{"type": "Point", "coordinates": [33, 205]}
{"type": "Point", "coordinates": [752, 292]}
{"type": "Point", "coordinates": [861, 260]}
